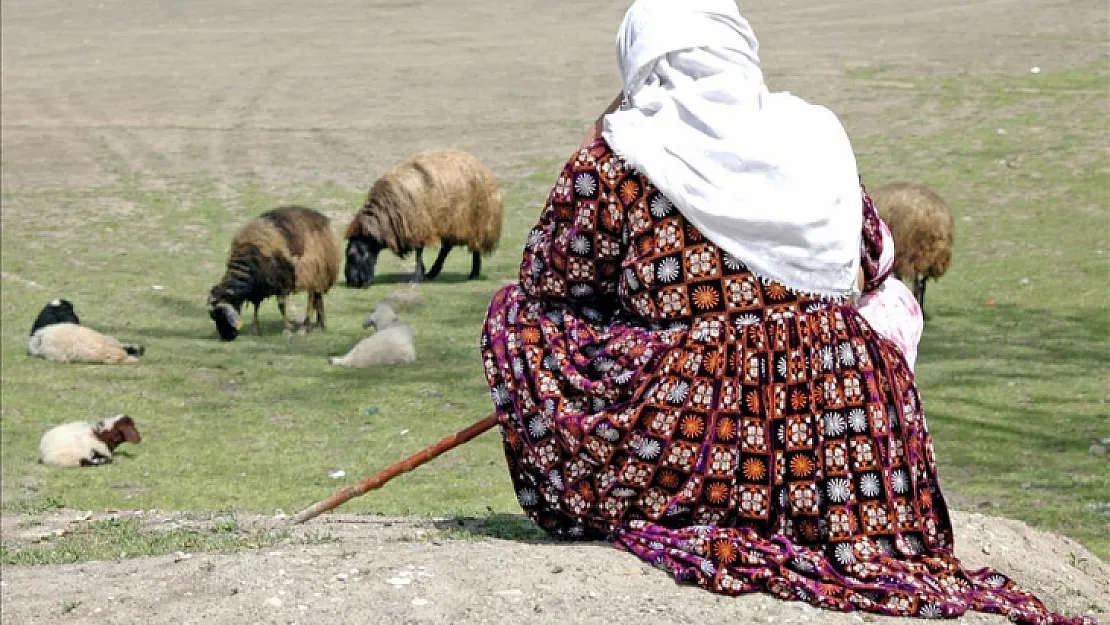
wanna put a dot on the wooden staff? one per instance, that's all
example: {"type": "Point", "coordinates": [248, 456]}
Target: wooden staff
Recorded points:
{"type": "Point", "coordinates": [408, 464]}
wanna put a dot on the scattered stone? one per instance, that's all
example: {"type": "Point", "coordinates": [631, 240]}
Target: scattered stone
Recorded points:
{"type": "Point", "coordinates": [420, 602]}
{"type": "Point", "coordinates": [337, 474]}
{"type": "Point", "coordinates": [1097, 450]}
{"type": "Point", "coordinates": [399, 581]}
{"type": "Point", "coordinates": [274, 602]}
{"type": "Point", "coordinates": [341, 577]}
{"type": "Point", "coordinates": [181, 556]}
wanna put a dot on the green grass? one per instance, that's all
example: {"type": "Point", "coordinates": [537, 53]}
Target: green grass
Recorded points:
{"type": "Point", "coordinates": [1013, 366]}
{"type": "Point", "coordinates": [127, 538]}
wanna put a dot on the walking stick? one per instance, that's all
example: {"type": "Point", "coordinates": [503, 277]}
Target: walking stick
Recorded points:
{"type": "Point", "coordinates": [408, 464]}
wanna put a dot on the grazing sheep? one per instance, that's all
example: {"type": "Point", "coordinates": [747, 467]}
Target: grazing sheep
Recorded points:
{"type": "Point", "coordinates": [82, 444]}
{"type": "Point", "coordinates": [281, 252]}
{"type": "Point", "coordinates": [440, 197]}
{"type": "Point", "coordinates": [58, 336]}
{"type": "Point", "coordinates": [923, 231]}
{"type": "Point", "coordinates": [392, 344]}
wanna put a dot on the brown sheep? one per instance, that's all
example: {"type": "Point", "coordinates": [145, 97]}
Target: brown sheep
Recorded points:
{"type": "Point", "coordinates": [281, 252]}
{"type": "Point", "coordinates": [439, 197]}
{"type": "Point", "coordinates": [923, 231]}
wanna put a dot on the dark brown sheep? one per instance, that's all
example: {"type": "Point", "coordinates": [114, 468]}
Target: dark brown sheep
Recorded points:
{"type": "Point", "coordinates": [440, 197]}
{"type": "Point", "coordinates": [281, 252]}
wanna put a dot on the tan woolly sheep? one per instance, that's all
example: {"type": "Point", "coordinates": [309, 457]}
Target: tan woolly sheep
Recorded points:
{"type": "Point", "coordinates": [283, 251]}
{"type": "Point", "coordinates": [58, 336]}
{"type": "Point", "coordinates": [392, 344]}
{"type": "Point", "coordinates": [439, 197]}
{"type": "Point", "coordinates": [923, 231]}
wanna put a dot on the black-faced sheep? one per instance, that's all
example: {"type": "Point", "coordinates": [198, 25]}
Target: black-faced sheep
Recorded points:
{"type": "Point", "coordinates": [82, 444]}
{"type": "Point", "coordinates": [923, 231]}
{"type": "Point", "coordinates": [439, 197]}
{"type": "Point", "coordinates": [283, 251]}
{"type": "Point", "coordinates": [392, 344]}
{"type": "Point", "coordinates": [58, 336]}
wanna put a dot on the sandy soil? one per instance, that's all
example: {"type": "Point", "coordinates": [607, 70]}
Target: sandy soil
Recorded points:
{"type": "Point", "coordinates": [293, 93]}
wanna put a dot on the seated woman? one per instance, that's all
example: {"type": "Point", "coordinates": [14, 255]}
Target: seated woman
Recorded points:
{"type": "Point", "coordinates": [682, 369]}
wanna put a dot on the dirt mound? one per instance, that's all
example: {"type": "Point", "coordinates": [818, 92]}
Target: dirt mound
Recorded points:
{"type": "Point", "coordinates": [407, 571]}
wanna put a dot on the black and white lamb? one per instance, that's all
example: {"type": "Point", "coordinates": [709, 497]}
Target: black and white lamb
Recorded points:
{"type": "Point", "coordinates": [58, 336]}
{"type": "Point", "coordinates": [84, 444]}
{"type": "Point", "coordinates": [392, 344]}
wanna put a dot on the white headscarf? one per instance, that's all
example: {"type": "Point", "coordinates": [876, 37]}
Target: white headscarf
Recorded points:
{"type": "Point", "coordinates": [766, 176]}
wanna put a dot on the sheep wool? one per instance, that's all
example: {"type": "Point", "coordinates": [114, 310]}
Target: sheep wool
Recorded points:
{"type": "Point", "coordinates": [923, 230]}
{"type": "Point", "coordinates": [382, 317]}
{"type": "Point", "coordinates": [71, 343]}
{"type": "Point", "coordinates": [439, 197]}
{"type": "Point", "coordinates": [58, 336]}
{"type": "Point", "coordinates": [391, 346]}
{"type": "Point", "coordinates": [81, 443]}
{"type": "Point", "coordinates": [281, 252]}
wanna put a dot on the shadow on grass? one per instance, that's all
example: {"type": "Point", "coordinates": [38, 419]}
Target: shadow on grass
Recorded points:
{"type": "Point", "coordinates": [1020, 335]}
{"type": "Point", "coordinates": [406, 278]}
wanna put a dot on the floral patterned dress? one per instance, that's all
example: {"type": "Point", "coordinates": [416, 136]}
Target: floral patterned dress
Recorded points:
{"type": "Point", "coordinates": [655, 393]}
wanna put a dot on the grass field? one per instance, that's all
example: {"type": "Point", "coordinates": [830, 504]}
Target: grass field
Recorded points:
{"type": "Point", "coordinates": [1014, 364]}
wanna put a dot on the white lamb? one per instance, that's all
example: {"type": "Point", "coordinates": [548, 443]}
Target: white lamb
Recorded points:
{"type": "Point", "coordinates": [82, 443]}
{"type": "Point", "coordinates": [392, 344]}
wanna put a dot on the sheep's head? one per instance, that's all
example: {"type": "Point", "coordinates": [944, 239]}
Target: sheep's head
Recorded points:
{"type": "Point", "coordinates": [120, 428]}
{"type": "Point", "coordinates": [382, 317]}
{"type": "Point", "coordinates": [57, 311]}
{"type": "Point", "coordinates": [362, 258]}
{"type": "Point", "coordinates": [225, 313]}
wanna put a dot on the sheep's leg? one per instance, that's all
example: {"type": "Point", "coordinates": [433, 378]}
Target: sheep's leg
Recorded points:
{"type": "Point", "coordinates": [98, 454]}
{"type": "Point", "coordinates": [310, 305]}
{"type": "Point", "coordinates": [256, 328]}
{"type": "Point", "coordinates": [418, 276]}
{"type": "Point", "coordinates": [95, 460]}
{"type": "Point", "coordinates": [437, 266]}
{"type": "Point", "coordinates": [320, 317]}
{"type": "Point", "coordinates": [287, 327]}
{"type": "Point", "coordinates": [921, 299]}
{"type": "Point", "coordinates": [475, 266]}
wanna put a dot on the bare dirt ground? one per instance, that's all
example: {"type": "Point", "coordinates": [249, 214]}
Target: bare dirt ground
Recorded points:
{"type": "Point", "coordinates": [393, 571]}
{"type": "Point", "coordinates": [292, 93]}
